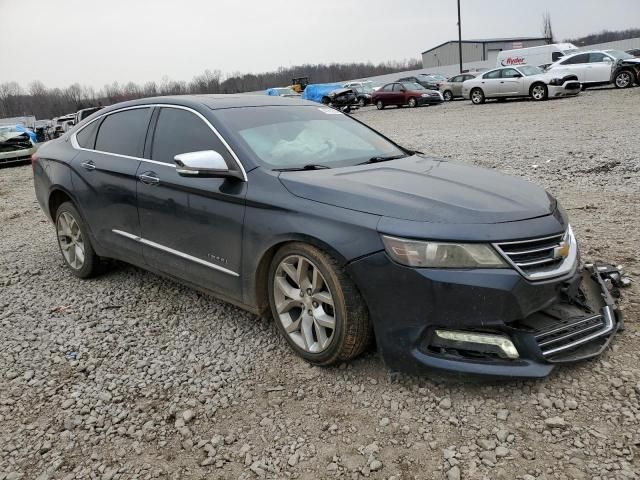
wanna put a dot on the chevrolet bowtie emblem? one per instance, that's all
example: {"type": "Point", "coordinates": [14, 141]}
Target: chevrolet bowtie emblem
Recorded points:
{"type": "Point", "coordinates": [562, 251]}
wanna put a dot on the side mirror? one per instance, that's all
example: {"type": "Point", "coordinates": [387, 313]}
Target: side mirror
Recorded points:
{"type": "Point", "coordinates": [403, 89]}
{"type": "Point", "coordinates": [204, 164]}
{"type": "Point", "coordinates": [517, 75]}
{"type": "Point", "coordinates": [607, 60]}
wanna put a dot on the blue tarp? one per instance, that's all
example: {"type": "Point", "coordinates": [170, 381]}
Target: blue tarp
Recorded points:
{"type": "Point", "coordinates": [315, 92]}
{"type": "Point", "coordinates": [21, 128]}
{"type": "Point", "coordinates": [272, 92]}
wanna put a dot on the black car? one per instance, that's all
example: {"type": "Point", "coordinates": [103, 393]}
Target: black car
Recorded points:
{"type": "Point", "coordinates": [281, 205]}
{"type": "Point", "coordinates": [344, 99]}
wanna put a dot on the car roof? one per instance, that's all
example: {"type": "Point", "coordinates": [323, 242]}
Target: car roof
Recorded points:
{"type": "Point", "coordinates": [214, 101]}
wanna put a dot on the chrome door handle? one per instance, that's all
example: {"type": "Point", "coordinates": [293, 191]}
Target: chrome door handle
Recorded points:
{"type": "Point", "coordinates": [149, 178]}
{"type": "Point", "coordinates": [89, 165]}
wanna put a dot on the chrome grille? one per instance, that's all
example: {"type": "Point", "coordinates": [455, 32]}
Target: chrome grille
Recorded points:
{"type": "Point", "coordinates": [572, 334]}
{"type": "Point", "coordinates": [541, 258]}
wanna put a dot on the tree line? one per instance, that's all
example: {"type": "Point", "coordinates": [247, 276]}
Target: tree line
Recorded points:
{"type": "Point", "coordinates": [605, 36]}
{"type": "Point", "coordinates": [36, 99]}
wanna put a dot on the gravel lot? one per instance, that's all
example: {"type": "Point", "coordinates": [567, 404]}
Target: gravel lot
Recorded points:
{"type": "Point", "coordinates": [132, 376]}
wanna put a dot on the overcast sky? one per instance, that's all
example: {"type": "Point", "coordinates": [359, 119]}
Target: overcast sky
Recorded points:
{"type": "Point", "coordinates": [95, 42]}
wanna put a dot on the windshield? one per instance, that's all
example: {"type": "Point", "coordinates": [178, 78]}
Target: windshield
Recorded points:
{"type": "Point", "coordinates": [570, 51]}
{"type": "Point", "coordinates": [294, 136]}
{"type": "Point", "coordinates": [528, 70]}
{"type": "Point", "coordinates": [412, 86]}
{"type": "Point", "coordinates": [437, 76]}
{"type": "Point", "coordinates": [617, 54]}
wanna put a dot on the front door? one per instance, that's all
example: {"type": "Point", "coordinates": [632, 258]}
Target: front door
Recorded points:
{"type": "Point", "coordinates": [599, 68]}
{"type": "Point", "coordinates": [104, 178]}
{"type": "Point", "coordinates": [511, 83]}
{"type": "Point", "coordinates": [191, 227]}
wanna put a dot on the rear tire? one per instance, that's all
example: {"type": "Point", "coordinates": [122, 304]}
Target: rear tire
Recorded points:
{"type": "Point", "coordinates": [379, 105]}
{"type": "Point", "coordinates": [477, 96]}
{"type": "Point", "coordinates": [362, 102]}
{"type": "Point", "coordinates": [316, 306]}
{"type": "Point", "coordinates": [74, 242]}
{"type": "Point", "coordinates": [539, 92]}
{"type": "Point", "coordinates": [447, 95]}
{"type": "Point", "coordinates": [623, 79]}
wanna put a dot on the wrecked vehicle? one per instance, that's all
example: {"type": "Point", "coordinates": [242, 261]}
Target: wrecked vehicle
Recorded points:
{"type": "Point", "coordinates": [16, 145]}
{"type": "Point", "coordinates": [285, 206]}
{"type": "Point", "coordinates": [344, 99]}
{"type": "Point", "coordinates": [601, 67]}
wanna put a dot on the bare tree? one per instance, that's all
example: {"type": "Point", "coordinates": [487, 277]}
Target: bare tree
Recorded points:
{"type": "Point", "coordinates": [547, 30]}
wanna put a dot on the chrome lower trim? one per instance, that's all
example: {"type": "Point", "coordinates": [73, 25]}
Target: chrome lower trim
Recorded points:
{"type": "Point", "coordinates": [606, 330]}
{"type": "Point", "coordinates": [177, 253]}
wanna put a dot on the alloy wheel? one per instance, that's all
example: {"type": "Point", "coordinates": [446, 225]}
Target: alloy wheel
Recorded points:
{"type": "Point", "coordinates": [447, 96]}
{"type": "Point", "coordinates": [70, 240]}
{"type": "Point", "coordinates": [623, 80]}
{"type": "Point", "coordinates": [538, 92]}
{"type": "Point", "coordinates": [304, 303]}
{"type": "Point", "coordinates": [476, 96]}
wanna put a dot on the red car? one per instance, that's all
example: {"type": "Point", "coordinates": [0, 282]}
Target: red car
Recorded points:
{"type": "Point", "coordinates": [405, 93]}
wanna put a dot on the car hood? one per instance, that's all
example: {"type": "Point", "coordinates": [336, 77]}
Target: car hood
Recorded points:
{"type": "Point", "coordinates": [424, 189]}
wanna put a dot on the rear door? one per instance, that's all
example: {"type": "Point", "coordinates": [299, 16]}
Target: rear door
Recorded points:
{"type": "Point", "coordinates": [104, 178]}
{"type": "Point", "coordinates": [511, 82]}
{"type": "Point", "coordinates": [490, 83]}
{"type": "Point", "coordinates": [398, 94]}
{"type": "Point", "coordinates": [385, 94]}
{"type": "Point", "coordinates": [577, 65]}
{"type": "Point", "coordinates": [191, 227]}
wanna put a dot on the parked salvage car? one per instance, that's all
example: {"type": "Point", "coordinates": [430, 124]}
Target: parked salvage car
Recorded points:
{"type": "Point", "coordinates": [452, 88]}
{"type": "Point", "coordinates": [15, 145]}
{"type": "Point", "coordinates": [601, 67]}
{"type": "Point", "coordinates": [344, 99]}
{"type": "Point", "coordinates": [407, 93]}
{"type": "Point", "coordinates": [283, 205]}
{"type": "Point", "coordinates": [282, 92]}
{"type": "Point", "coordinates": [522, 81]}
{"type": "Point", "coordinates": [363, 96]}
{"type": "Point", "coordinates": [635, 52]}
{"type": "Point", "coordinates": [430, 81]}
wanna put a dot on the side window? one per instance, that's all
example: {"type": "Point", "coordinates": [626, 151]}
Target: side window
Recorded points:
{"type": "Point", "coordinates": [456, 79]}
{"type": "Point", "coordinates": [492, 74]}
{"type": "Point", "coordinates": [597, 57]}
{"type": "Point", "coordinates": [581, 58]}
{"type": "Point", "coordinates": [123, 132]}
{"type": "Point", "coordinates": [397, 87]}
{"type": "Point", "coordinates": [180, 131]}
{"type": "Point", "coordinates": [510, 73]}
{"type": "Point", "coordinates": [87, 136]}
{"type": "Point", "coordinates": [468, 77]}
{"type": "Point", "coordinates": [387, 88]}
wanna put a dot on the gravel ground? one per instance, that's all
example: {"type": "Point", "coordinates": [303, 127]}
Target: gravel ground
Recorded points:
{"type": "Point", "coordinates": [132, 376]}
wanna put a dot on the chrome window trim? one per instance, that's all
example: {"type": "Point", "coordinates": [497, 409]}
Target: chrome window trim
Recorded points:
{"type": "Point", "coordinates": [76, 145]}
{"type": "Point", "coordinates": [177, 253]}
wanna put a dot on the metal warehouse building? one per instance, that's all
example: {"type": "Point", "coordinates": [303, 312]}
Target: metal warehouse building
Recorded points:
{"type": "Point", "coordinates": [475, 50]}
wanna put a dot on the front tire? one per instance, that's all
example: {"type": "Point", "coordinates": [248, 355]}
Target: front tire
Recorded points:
{"type": "Point", "coordinates": [412, 103]}
{"type": "Point", "coordinates": [623, 79]}
{"type": "Point", "coordinates": [379, 105]}
{"type": "Point", "coordinates": [316, 306]}
{"type": "Point", "coordinates": [477, 96]}
{"type": "Point", "coordinates": [539, 92]}
{"type": "Point", "coordinates": [74, 242]}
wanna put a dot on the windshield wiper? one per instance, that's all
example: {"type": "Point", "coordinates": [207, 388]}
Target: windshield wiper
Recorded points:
{"type": "Point", "coordinates": [382, 159]}
{"type": "Point", "coordinates": [309, 166]}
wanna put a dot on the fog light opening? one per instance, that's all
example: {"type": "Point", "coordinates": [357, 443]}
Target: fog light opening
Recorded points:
{"type": "Point", "coordinates": [486, 343]}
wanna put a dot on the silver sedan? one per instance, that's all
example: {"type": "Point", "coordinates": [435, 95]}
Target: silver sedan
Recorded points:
{"type": "Point", "coordinates": [522, 81]}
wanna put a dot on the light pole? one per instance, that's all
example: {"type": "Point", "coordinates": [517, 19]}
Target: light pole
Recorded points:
{"type": "Point", "coordinates": [459, 37]}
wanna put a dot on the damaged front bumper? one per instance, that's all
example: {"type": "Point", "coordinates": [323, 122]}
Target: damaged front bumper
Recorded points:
{"type": "Point", "coordinates": [491, 323]}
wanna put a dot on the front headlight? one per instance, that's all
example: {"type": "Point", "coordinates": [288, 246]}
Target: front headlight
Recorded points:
{"type": "Point", "coordinates": [425, 254]}
{"type": "Point", "coordinates": [424, 95]}
{"type": "Point", "coordinates": [556, 82]}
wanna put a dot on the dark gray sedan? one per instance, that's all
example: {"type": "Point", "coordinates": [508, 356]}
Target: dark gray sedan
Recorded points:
{"type": "Point", "coordinates": [291, 207]}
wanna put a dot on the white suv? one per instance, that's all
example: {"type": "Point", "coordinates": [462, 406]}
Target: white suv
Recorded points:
{"type": "Point", "coordinates": [600, 67]}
